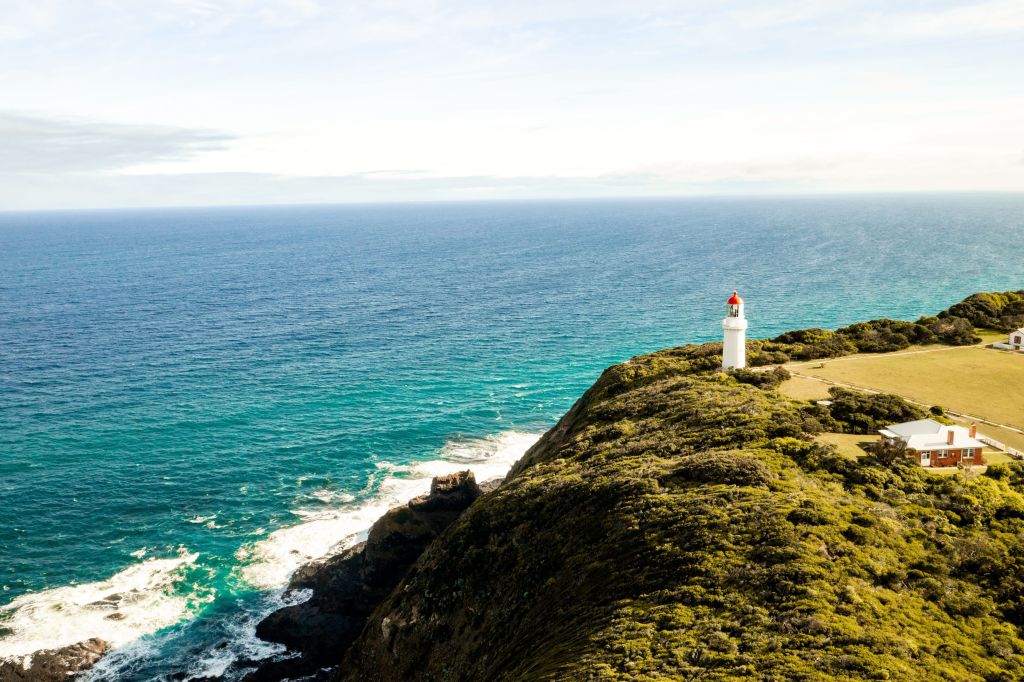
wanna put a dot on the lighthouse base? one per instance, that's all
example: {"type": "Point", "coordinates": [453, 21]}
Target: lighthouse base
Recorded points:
{"type": "Point", "coordinates": [734, 350]}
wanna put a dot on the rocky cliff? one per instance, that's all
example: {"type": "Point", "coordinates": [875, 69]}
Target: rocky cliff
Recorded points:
{"type": "Point", "coordinates": [346, 588]}
{"type": "Point", "coordinates": [681, 524]}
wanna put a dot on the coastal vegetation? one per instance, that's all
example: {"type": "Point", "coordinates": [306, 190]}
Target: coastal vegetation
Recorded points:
{"type": "Point", "coordinates": [957, 326]}
{"type": "Point", "coordinates": [1000, 311]}
{"type": "Point", "coordinates": [680, 523]}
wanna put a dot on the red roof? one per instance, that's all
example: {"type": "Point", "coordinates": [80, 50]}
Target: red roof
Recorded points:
{"type": "Point", "coordinates": [735, 300]}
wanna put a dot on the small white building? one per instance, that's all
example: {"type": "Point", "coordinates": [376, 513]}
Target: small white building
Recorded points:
{"type": "Point", "coordinates": [1016, 340]}
{"type": "Point", "coordinates": [734, 349]}
{"type": "Point", "coordinates": [936, 445]}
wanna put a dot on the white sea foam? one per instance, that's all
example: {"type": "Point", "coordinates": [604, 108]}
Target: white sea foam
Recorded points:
{"type": "Point", "coordinates": [141, 598]}
{"type": "Point", "coordinates": [269, 562]}
{"type": "Point", "coordinates": [242, 642]}
{"type": "Point", "coordinates": [144, 596]}
{"type": "Point", "coordinates": [328, 496]}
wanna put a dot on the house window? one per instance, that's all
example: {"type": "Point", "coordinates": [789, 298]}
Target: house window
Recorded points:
{"type": "Point", "coordinates": [1017, 340]}
{"type": "Point", "coordinates": [969, 453]}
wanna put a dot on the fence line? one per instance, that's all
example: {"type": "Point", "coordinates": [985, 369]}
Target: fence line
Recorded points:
{"type": "Point", "coordinates": [1012, 452]}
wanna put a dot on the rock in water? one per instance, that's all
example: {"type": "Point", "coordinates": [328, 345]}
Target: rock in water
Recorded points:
{"type": "Point", "coordinates": [348, 587]}
{"type": "Point", "coordinates": [52, 665]}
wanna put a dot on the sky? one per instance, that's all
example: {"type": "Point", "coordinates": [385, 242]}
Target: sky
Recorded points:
{"type": "Point", "coordinates": [124, 103]}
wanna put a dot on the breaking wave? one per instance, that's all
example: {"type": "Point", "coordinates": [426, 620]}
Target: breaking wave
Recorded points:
{"type": "Point", "coordinates": [269, 562]}
{"type": "Point", "coordinates": [158, 593]}
{"type": "Point", "coordinates": [139, 600]}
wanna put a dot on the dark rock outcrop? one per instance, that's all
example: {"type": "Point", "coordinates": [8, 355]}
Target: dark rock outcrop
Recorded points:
{"type": "Point", "coordinates": [348, 587]}
{"type": "Point", "coordinates": [52, 665]}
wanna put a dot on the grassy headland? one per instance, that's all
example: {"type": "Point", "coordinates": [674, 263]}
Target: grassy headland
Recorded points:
{"type": "Point", "coordinates": [684, 524]}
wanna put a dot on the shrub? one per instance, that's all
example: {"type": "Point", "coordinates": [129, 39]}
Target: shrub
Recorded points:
{"type": "Point", "coordinates": [883, 336]}
{"type": "Point", "coordinates": [952, 331]}
{"type": "Point", "coordinates": [767, 379]}
{"type": "Point", "coordinates": [730, 468]}
{"type": "Point", "coordinates": [887, 453]}
{"type": "Point", "coordinates": [812, 344]}
{"type": "Point", "coordinates": [1002, 311]}
{"type": "Point", "coordinates": [866, 413]}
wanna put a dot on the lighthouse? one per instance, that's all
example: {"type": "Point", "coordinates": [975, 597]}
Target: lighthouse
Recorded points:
{"type": "Point", "coordinates": [734, 350]}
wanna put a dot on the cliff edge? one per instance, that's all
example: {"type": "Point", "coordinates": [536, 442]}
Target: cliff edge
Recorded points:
{"type": "Point", "coordinates": [346, 588]}
{"type": "Point", "coordinates": [681, 523]}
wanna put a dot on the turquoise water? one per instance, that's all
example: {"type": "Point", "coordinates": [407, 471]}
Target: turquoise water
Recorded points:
{"type": "Point", "coordinates": [192, 402]}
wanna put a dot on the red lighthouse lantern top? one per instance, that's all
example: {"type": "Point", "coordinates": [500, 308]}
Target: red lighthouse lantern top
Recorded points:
{"type": "Point", "coordinates": [735, 300]}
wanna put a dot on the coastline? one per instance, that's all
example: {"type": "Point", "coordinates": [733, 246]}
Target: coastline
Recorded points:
{"type": "Point", "coordinates": [335, 586]}
{"type": "Point", "coordinates": [264, 565]}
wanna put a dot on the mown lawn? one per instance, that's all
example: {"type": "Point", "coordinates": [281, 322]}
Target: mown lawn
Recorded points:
{"type": "Point", "coordinates": [1011, 438]}
{"type": "Point", "coordinates": [996, 457]}
{"type": "Point", "coordinates": [972, 380]}
{"type": "Point", "coordinates": [851, 445]}
{"type": "Point", "coordinates": [803, 388]}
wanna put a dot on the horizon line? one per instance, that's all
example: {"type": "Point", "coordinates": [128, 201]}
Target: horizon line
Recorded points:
{"type": "Point", "coordinates": [521, 200]}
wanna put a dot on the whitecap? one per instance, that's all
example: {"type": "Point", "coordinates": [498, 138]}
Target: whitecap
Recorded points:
{"type": "Point", "coordinates": [328, 496]}
{"type": "Point", "coordinates": [145, 598]}
{"type": "Point", "coordinates": [240, 643]}
{"type": "Point", "coordinates": [137, 601]}
{"type": "Point", "coordinates": [268, 563]}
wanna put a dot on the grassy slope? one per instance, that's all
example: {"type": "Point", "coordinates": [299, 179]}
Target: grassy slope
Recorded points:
{"type": "Point", "coordinates": [680, 525]}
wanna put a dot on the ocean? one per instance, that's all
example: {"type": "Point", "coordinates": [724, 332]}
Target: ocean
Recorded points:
{"type": "Point", "coordinates": [193, 402]}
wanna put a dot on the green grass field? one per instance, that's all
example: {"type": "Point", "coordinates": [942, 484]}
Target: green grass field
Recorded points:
{"type": "Point", "coordinates": [803, 388]}
{"type": "Point", "coordinates": [851, 445]}
{"type": "Point", "coordinates": [973, 380]}
{"type": "Point", "coordinates": [976, 381]}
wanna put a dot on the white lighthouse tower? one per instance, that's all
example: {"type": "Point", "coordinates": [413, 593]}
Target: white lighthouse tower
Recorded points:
{"type": "Point", "coordinates": [734, 350]}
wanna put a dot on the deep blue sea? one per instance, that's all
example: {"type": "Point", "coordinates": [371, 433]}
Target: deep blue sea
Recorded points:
{"type": "Point", "coordinates": [195, 401]}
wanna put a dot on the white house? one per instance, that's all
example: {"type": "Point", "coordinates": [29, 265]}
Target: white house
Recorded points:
{"type": "Point", "coordinates": [936, 445]}
{"type": "Point", "coordinates": [1015, 341]}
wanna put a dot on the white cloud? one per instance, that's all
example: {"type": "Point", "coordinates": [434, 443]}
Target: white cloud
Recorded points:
{"type": "Point", "coordinates": [34, 144]}
{"type": "Point", "coordinates": [589, 97]}
{"type": "Point", "coordinates": [967, 19]}
{"type": "Point", "coordinates": [220, 15]}
{"type": "Point", "coordinates": [23, 19]}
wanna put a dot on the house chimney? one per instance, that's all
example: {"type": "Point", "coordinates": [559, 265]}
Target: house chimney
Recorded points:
{"type": "Point", "coordinates": [973, 432]}
{"type": "Point", "coordinates": [950, 436]}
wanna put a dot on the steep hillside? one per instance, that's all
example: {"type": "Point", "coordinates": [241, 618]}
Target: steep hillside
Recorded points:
{"type": "Point", "coordinates": [679, 524]}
